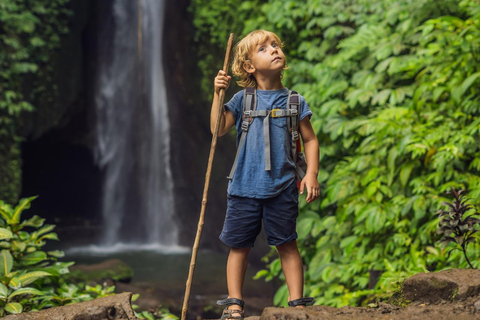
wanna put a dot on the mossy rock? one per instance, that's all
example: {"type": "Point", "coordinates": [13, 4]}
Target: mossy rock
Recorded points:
{"type": "Point", "coordinates": [113, 269]}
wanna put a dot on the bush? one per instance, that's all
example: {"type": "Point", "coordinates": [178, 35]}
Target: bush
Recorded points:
{"type": "Point", "coordinates": [395, 91]}
{"type": "Point", "coordinates": [30, 278]}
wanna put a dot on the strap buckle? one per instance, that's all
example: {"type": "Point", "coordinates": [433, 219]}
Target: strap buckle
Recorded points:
{"type": "Point", "coordinates": [294, 112]}
{"type": "Point", "coordinates": [248, 113]}
{"type": "Point", "coordinates": [276, 113]}
{"type": "Point", "coordinates": [294, 135]}
{"type": "Point", "coordinates": [245, 124]}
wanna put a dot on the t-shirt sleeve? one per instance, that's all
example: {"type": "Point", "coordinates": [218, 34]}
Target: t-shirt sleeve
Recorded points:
{"type": "Point", "coordinates": [235, 104]}
{"type": "Point", "coordinates": [304, 109]}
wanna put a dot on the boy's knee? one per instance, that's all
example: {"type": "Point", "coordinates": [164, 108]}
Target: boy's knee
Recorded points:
{"type": "Point", "coordinates": [243, 251]}
{"type": "Point", "coordinates": [288, 247]}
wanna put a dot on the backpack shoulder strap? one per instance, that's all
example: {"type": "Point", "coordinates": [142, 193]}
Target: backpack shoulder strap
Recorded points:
{"type": "Point", "coordinates": [249, 105]}
{"type": "Point", "coordinates": [293, 103]}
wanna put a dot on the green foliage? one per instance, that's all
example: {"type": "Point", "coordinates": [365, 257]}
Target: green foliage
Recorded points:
{"type": "Point", "coordinates": [30, 278]}
{"type": "Point", "coordinates": [160, 313]}
{"type": "Point", "coordinates": [395, 91]}
{"type": "Point", "coordinates": [214, 21]}
{"type": "Point", "coordinates": [457, 224]}
{"type": "Point", "coordinates": [29, 37]}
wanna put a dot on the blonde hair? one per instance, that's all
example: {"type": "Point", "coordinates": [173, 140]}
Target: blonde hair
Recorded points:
{"type": "Point", "coordinates": [243, 49]}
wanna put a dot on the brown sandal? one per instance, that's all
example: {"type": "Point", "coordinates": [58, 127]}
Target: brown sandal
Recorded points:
{"type": "Point", "coordinates": [234, 314]}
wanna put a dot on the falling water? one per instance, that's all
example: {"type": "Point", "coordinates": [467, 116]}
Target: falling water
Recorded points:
{"type": "Point", "coordinates": [133, 130]}
{"type": "Point", "coordinates": [160, 175]}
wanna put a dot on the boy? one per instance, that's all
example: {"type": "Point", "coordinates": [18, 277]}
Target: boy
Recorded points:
{"type": "Point", "coordinates": [255, 192]}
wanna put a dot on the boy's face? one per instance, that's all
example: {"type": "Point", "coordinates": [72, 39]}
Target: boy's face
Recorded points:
{"type": "Point", "coordinates": [266, 58]}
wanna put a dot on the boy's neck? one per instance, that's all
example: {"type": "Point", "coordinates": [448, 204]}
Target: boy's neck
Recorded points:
{"type": "Point", "coordinates": [264, 83]}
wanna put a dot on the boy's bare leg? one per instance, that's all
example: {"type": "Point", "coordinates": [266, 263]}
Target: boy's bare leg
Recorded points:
{"type": "Point", "coordinates": [236, 268]}
{"type": "Point", "coordinates": [292, 267]}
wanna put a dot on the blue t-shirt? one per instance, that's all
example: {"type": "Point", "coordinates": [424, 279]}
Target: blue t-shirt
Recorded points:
{"type": "Point", "coordinates": [250, 178]}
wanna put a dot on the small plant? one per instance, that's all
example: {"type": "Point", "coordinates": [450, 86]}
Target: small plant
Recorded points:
{"type": "Point", "coordinates": [22, 262]}
{"type": "Point", "coordinates": [457, 223]}
{"type": "Point", "coordinates": [160, 313]}
{"type": "Point", "coordinates": [30, 278]}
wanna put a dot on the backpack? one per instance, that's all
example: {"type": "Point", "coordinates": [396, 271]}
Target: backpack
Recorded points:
{"type": "Point", "coordinates": [292, 117]}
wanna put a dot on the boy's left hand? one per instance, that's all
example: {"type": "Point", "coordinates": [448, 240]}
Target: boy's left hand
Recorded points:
{"type": "Point", "coordinates": [310, 182]}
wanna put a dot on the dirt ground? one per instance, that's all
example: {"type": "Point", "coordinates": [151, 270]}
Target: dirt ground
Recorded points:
{"type": "Point", "coordinates": [446, 295]}
{"type": "Point", "coordinates": [469, 309]}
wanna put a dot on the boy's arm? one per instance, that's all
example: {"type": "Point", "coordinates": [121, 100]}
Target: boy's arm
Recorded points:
{"type": "Point", "coordinates": [310, 144]}
{"type": "Point", "coordinates": [227, 120]}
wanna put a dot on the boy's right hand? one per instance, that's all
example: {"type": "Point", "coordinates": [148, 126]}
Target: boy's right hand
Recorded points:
{"type": "Point", "coordinates": [222, 81]}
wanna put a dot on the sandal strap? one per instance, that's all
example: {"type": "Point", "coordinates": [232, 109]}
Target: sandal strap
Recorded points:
{"type": "Point", "coordinates": [300, 302]}
{"type": "Point", "coordinates": [231, 301]}
{"type": "Point", "coordinates": [228, 314]}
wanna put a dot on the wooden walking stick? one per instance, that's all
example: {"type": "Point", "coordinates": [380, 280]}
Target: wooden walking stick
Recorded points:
{"type": "Point", "coordinates": [221, 97]}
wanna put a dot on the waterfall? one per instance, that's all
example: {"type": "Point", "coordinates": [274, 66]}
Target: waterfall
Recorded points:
{"type": "Point", "coordinates": [133, 129]}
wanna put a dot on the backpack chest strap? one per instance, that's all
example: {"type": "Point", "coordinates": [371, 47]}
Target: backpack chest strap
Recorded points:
{"type": "Point", "coordinates": [267, 114]}
{"type": "Point", "coordinates": [274, 113]}
{"type": "Point", "coordinates": [250, 112]}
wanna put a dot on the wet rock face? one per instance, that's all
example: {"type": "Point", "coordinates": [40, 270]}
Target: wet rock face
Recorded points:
{"type": "Point", "coordinates": [189, 114]}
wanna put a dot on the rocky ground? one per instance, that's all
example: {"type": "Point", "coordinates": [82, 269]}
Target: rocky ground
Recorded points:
{"type": "Point", "coordinates": [447, 295]}
{"type": "Point", "coordinates": [207, 288]}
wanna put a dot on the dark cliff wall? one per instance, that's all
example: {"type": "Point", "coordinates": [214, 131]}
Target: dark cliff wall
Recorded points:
{"type": "Point", "coordinates": [190, 114]}
{"type": "Point", "coordinates": [57, 155]}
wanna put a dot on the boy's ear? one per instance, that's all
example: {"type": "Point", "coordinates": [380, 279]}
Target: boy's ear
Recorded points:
{"type": "Point", "coordinates": [248, 66]}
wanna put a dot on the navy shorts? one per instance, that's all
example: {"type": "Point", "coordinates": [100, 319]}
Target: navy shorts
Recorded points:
{"type": "Point", "coordinates": [243, 221]}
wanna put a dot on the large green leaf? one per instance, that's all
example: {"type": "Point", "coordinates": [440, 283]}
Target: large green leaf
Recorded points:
{"type": "Point", "coordinates": [22, 205]}
{"type": "Point", "coordinates": [458, 92]}
{"type": "Point", "coordinates": [405, 173]}
{"type": "Point", "coordinates": [5, 234]}
{"type": "Point", "coordinates": [6, 262]}
{"type": "Point", "coordinates": [20, 291]}
{"type": "Point", "coordinates": [3, 291]}
{"type": "Point", "coordinates": [45, 229]}
{"type": "Point", "coordinates": [33, 258]}
{"type": "Point", "coordinates": [15, 283]}
{"type": "Point", "coordinates": [34, 221]}
{"type": "Point", "coordinates": [32, 276]}
{"type": "Point", "coordinates": [13, 307]}
{"type": "Point", "coordinates": [375, 220]}
{"type": "Point", "coordinates": [6, 211]}
{"type": "Point", "coordinates": [18, 245]}
{"type": "Point", "coordinates": [50, 236]}
{"type": "Point", "coordinates": [56, 253]}
{"type": "Point", "coordinates": [58, 268]}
